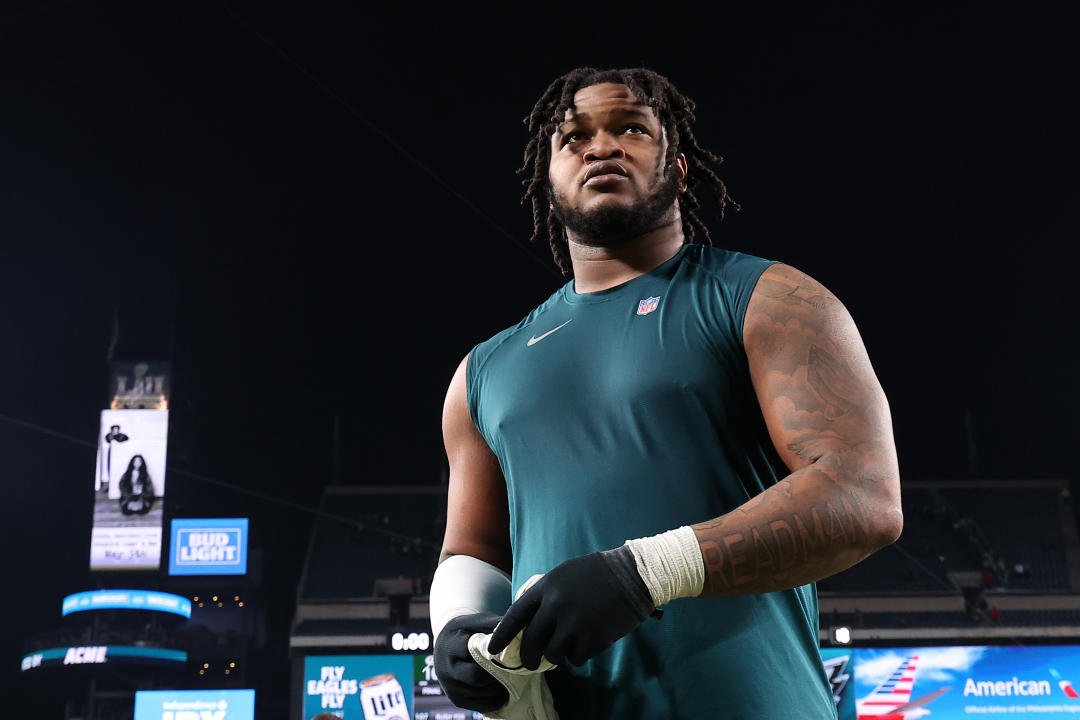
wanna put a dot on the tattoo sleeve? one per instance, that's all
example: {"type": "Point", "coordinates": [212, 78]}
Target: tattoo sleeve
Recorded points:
{"type": "Point", "coordinates": [829, 420]}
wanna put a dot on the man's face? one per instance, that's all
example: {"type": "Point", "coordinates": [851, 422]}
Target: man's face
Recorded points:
{"type": "Point", "coordinates": [607, 170]}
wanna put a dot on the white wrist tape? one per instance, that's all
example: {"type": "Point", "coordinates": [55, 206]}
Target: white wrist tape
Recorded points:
{"type": "Point", "coordinates": [464, 585]}
{"type": "Point", "coordinates": [670, 564]}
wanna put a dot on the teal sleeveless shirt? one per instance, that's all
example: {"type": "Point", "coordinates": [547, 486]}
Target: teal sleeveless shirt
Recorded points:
{"type": "Point", "coordinates": [624, 413]}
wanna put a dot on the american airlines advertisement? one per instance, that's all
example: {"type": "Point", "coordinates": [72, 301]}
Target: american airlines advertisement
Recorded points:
{"type": "Point", "coordinates": [960, 682]}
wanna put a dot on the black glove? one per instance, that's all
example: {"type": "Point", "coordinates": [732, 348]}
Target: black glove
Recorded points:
{"type": "Point", "coordinates": [468, 685]}
{"type": "Point", "coordinates": [577, 610]}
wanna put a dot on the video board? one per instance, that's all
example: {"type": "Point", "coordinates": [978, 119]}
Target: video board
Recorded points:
{"type": "Point", "coordinates": [376, 687]}
{"type": "Point", "coordinates": [195, 705]}
{"type": "Point", "coordinates": [129, 490]}
{"type": "Point", "coordinates": [208, 546]}
{"type": "Point", "coordinates": [958, 682]}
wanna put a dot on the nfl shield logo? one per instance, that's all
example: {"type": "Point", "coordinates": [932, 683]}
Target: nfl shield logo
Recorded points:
{"type": "Point", "coordinates": [646, 306]}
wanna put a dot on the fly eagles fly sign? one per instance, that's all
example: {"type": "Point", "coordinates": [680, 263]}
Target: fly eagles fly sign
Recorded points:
{"type": "Point", "coordinates": [216, 546]}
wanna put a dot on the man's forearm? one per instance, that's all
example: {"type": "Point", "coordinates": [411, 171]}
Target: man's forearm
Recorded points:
{"type": "Point", "coordinates": [817, 521]}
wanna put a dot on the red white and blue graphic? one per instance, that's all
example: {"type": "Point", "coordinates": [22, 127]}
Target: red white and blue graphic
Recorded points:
{"type": "Point", "coordinates": [957, 682]}
{"type": "Point", "coordinates": [891, 700]}
{"type": "Point", "coordinates": [1065, 685]}
{"type": "Point", "coordinates": [646, 306]}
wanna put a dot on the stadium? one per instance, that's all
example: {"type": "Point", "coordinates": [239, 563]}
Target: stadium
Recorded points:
{"type": "Point", "coordinates": [245, 248]}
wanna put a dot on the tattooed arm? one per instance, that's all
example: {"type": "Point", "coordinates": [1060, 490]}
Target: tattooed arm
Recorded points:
{"type": "Point", "coordinates": [829, 420]}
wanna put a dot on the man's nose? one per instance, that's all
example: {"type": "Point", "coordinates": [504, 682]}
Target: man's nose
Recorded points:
{"type": "Point", "coordinates": [604, 146]}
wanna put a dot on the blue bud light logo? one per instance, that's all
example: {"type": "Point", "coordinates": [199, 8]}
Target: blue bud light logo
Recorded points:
{"type": "Point", "coordinates": [215, 546]}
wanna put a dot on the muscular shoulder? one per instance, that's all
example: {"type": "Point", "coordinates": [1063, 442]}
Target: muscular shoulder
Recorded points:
{"type": "Point", "coordinates": [785, 298]}
{"type": "Point", "coordinates": [726, 265]}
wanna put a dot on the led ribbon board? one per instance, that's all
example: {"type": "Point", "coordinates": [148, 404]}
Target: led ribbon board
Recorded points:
{"type": "Point", "coordinates": [216, 546]}
{"type": "Point", "coordinates": [194, 705]}
{"type": "Point", "coordinates": [103, 654]}
{"type": "Point", "coordinates": [127, 600]}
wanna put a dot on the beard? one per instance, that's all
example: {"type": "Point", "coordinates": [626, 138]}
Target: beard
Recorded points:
{"type": "Point", "coordinates": [615, 225]}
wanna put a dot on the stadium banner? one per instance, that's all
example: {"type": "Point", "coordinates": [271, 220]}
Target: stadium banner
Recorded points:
{"type": "Point", "coordinates": [961, 682]}
{"type": "Point", "coordinates": [358, 687]}
{"type": "Point", "coordinates": [214, 546]}
{"type": "Point", "coordinates": [126, 600]}
{"type": "Point", "coordinates": [104, 654]}
{"type": "Point", "coordinates": [839, 668]}
{"type": "Point", "coordinates": [139, 386]}
{"type": "Point", "coordinates": [194, 705]}
{"type": "Point", "coordinates": [129, 490]}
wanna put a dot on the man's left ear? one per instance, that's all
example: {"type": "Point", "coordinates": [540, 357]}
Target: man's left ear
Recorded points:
{"type": "Point", "coordinates": [680, 162]}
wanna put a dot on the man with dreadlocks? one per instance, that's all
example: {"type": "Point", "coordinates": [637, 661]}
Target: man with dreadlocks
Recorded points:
{"type": "Point", "coordinates": [678, 443]}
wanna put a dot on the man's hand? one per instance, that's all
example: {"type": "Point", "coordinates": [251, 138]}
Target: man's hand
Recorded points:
{"type": "Point", "coordinates": [577, 610]}
{"type": "Point", "coordinates": [468, 685]}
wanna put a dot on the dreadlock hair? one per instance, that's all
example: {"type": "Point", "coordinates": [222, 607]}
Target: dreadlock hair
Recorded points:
{"type": "Point", "coordinates": [676, 114]}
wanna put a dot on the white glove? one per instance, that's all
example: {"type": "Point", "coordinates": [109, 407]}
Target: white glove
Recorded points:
{"type": "Point", "coordinates": [530, 698]}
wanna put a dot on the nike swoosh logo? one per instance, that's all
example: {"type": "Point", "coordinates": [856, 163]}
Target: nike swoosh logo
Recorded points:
{"type": "Point", "coordinates": [533, 340]}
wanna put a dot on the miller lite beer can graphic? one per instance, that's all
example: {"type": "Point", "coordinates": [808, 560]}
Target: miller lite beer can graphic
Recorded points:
{"type": "Point", "coordinates": [382, 698]}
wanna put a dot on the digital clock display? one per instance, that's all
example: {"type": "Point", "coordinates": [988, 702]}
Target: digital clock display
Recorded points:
{"type": "Point", "coordinates": [411, 642]}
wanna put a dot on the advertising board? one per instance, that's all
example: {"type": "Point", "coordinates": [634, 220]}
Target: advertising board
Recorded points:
{"type": "Point", "coordinates": [195, 705]}
{"type": "Point", "coordinates": [359, 687]}
{"type": "Point", "coordinates": [129, 490]}
{"type": "Point", "coordinates": [938, 683]}
{"type": "Point", "coordinates": [212, 546]}
{"type": "Point", "coordinates": [961, 682]}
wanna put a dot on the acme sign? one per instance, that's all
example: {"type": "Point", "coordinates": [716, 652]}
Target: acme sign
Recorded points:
{"type": "Point", "coordinates": [83, 655]}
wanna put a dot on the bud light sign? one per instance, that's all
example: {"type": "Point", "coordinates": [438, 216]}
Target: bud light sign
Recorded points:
{"type": "Point", "coordinates": [195, 705]}
{"type": "Point", "coordinates": [209, 547]}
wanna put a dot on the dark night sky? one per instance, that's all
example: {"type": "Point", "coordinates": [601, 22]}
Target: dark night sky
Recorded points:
{"type": "Point", "coordinates": [246, 185]}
